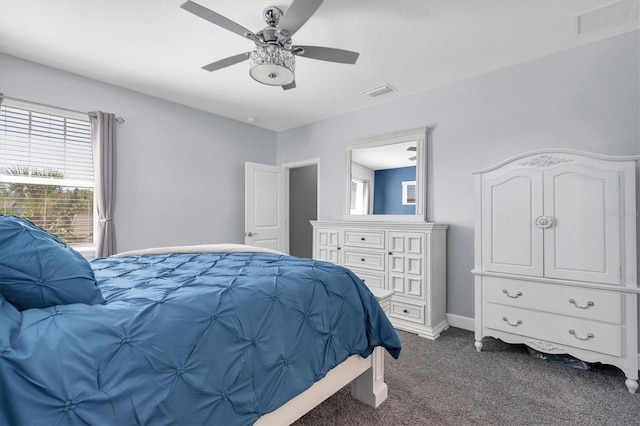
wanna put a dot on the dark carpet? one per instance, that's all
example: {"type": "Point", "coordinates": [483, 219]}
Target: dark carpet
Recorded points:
{"type": "Point", "coordinates": [446, 382]}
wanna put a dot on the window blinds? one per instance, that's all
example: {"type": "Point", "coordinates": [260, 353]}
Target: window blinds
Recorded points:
{"type": "Point", "coordinates": [46, 171]}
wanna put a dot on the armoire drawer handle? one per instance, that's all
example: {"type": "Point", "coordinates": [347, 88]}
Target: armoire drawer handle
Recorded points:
{"type": "Point", "coordinates": [515, 324]}
{"type": "Point", "coordinates": [587, 306]}
{"type": "Point", "coordinates": [589, 336]}
{"type": "Point", "coordinates": [518, 294]}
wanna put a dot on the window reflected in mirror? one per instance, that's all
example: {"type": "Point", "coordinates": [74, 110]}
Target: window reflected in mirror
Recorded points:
{"type": "Point", "coordinates": [409, 193]}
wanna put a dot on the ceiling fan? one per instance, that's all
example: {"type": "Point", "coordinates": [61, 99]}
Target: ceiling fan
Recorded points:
{"type": "Point", "coordinates": [272, 61]}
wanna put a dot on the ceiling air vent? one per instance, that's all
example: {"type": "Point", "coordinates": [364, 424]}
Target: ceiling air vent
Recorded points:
{"type": "Point", "coordinates": [606, 16]}
{"type": "Point", "coordinates": [380, 90]}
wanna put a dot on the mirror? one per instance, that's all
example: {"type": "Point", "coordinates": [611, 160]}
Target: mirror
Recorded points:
{"type": "Point", "coordinates": [386, 177]}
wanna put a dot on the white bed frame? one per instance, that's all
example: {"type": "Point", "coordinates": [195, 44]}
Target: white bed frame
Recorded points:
{"type": "Point", "coordinates": [366, 375]}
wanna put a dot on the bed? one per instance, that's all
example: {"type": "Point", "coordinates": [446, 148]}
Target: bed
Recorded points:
{"type": "Point", "coordinates": [218, 334]}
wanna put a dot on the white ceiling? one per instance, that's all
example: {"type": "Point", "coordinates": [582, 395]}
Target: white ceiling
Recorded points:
{"type": "Point", "coordinates": [386, 156]}
{"type": "Point", "coordinates": [157, 48]}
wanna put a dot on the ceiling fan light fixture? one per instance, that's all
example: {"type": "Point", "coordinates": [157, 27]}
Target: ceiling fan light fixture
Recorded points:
{"type": "Point", "coordinates": [272, 65]}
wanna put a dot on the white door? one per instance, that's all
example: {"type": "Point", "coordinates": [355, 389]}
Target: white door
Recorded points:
{"type": "Point", "coordinates": [583, 240]}
{"type": "Point", "coordinates": [265, 206]}
{"type": "Point", "coordinates": [511, 242]}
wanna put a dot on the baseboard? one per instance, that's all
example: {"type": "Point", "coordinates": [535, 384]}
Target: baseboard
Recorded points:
{"type": "Point", "coordinates": [459, 321]}
{"type": "Point", "coordinates": [467, 323]}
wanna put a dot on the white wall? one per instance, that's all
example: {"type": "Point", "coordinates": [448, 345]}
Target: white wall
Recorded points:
{"type": "Point", "coordinates": [586, 98]}
{"type": "Point", "coordinates": [180, 171]}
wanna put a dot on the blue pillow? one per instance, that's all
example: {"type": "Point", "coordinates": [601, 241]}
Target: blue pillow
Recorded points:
{"type": "Point", "coordinates": [37, 270]}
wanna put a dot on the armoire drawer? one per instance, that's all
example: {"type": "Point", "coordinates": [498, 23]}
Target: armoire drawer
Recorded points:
{"type": "Point", "coordinates": [573, 301]}
{"type": "Point", "coordinates": [364, 259]}
{"type": "Point", "coordinates": [576, 332]}
{"type": "Point", "coordinates": [371, 279]}
{"type": "Point", "coordinates": [407, 311]}
{"type": "Point", "coordinates": [364, 239]}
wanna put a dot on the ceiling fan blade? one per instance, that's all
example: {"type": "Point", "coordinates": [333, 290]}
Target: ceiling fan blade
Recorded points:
{"type": "Point", "coordinates": [326, 54]}
{"type": "Point", "coordinates": [291, 85]}
{"type": "Point", "coordinates": [297, 14]}
{"type": "Point", "coordinates": [218, 19]}
{"type": "Point", "coordinates": [226, 62]}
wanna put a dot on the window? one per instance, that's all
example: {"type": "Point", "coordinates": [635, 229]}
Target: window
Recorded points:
{"type": "Point", "coordinates": [46, 170]}
{"type": "Point", "coordinates": [357, 196]}
{"type": "Point", "coordinates": [408, 193]}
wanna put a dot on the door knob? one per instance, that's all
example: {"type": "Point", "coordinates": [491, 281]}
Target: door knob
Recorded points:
{"type": "Point", "coordinates": [251, 234]}
{"type": "Point", "coordinates": [543, 222]}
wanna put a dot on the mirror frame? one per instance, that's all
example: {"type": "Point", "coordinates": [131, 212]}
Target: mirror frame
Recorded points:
{"type": "Point", "coordinates": [418, 135]}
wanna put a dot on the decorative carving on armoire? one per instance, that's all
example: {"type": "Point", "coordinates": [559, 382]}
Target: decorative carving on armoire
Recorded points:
{"type": "Point", "coordinates": [545, 346]}
{"type": "Point", "coordinates": [544, 161]}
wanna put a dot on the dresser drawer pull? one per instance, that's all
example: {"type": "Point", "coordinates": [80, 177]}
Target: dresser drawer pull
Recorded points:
{"type": "Point", "coordinates": [515, 324]}
{"type": "Point", "coordinates": [362, 260]}
{"type": "Point", "coordinates": [362, 239]}
{"type": "Point", "coordinates": [518, 294]}
{"type": "Point", "coordinates": [589, 336]}
{"type": "Point", "coordinates": [587, 306]}
{"type": "Point", "coordinates": [406, 311]}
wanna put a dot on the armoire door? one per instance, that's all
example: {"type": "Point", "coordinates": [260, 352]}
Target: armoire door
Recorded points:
{"type": "Point", "coordinates": [582, 242]}
{"type": "Point", "coordinates": [510, 203]}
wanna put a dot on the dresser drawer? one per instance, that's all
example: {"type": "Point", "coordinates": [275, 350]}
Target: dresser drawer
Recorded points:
{"type": "Point", "coordinates": [366, 260]}
{"type": "Point", "coordinates": [371, 279]}
{"type": "Point", "coordinates": [365, 239]}
{"type": "Point", "coordinates": [407, 311]}
{"type": "Point", "coordinates": [576, 332]}
{"type": "Point", "coordinates": [576, 302]}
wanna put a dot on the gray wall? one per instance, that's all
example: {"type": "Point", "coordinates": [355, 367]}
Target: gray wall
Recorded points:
{"type": "Point", "coordinates": [180, 171]}
{"type": "Point", "coordinates": [586, 98]}
{"type": "Point", "coordinates": [174, 187]}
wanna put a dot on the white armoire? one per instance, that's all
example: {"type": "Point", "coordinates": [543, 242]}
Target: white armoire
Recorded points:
{"type": "Point", "coordinates": [555, 256]}
{"type": "Point", "coordinates": [406, 258]}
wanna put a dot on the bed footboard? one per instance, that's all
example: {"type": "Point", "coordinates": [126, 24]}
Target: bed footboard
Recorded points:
{"type": "Point", "coordinates": [370, 387]}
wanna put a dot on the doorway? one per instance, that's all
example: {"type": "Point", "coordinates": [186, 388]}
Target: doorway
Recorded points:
{"type": "Point", "coordinates": [303, 206]}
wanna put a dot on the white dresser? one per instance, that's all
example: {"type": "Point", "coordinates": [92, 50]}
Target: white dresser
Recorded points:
{"type": "Point", "coordinates": [555, 256]}
{"type": "Point", "coordinates": [406, 258]}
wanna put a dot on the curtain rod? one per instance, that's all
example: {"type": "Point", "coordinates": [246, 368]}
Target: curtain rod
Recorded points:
{"type": "Point", "coordinates": [118, 119]}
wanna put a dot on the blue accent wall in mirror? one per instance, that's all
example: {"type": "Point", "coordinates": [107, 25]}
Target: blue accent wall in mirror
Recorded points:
{"type": "Point", "coordinates": [387, 194]}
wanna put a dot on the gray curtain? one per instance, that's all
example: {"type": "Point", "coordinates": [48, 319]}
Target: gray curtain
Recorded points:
{"type": "Point", "coordinates": [103, 147]}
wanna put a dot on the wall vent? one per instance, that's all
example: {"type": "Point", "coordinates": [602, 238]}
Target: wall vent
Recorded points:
{"type": "Point", "coordinates": [380, 90]}
{"type": "Point", "coordinates": [607, 16]}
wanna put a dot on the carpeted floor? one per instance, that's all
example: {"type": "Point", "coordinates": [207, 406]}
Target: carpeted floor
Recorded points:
{"type": "Point", "coordinates": [446, 382]}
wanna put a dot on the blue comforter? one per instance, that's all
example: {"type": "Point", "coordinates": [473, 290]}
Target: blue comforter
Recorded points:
{"type": "Point", "coordinates": [206, 338]}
